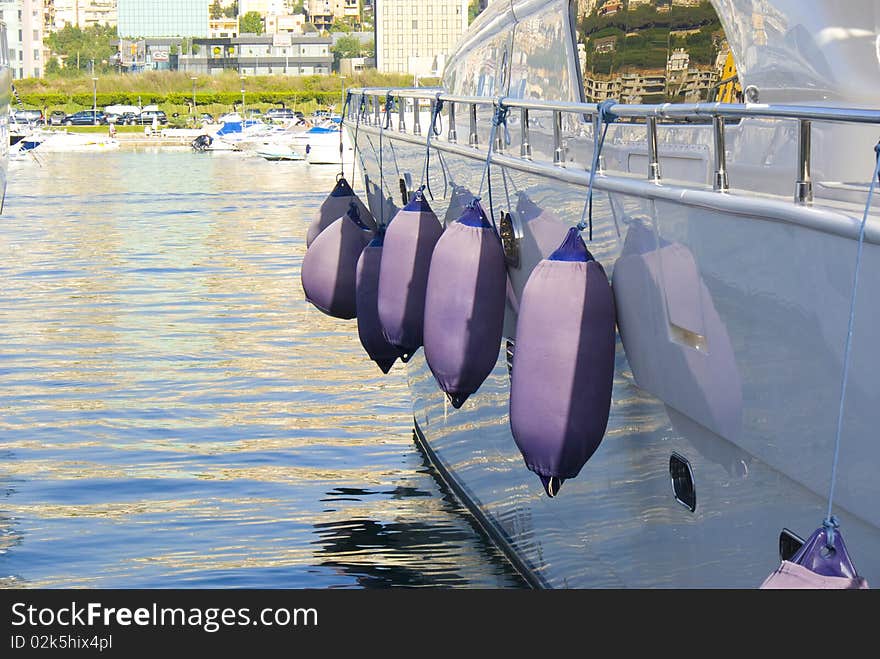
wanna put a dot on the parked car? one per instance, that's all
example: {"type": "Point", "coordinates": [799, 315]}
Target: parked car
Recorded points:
{"type": "Point", "coordinates": [146, 117]}
{"type": "Point", "coordinates": [57, 117]}
{"type": "Point", "coordinates": [86, 118]}
{"type": "Point", "coordinates": [205, 117]}
{"type": "Point", "coordinates": [27, 116]}
{"type": "Point", "coordinates": [280, 114]}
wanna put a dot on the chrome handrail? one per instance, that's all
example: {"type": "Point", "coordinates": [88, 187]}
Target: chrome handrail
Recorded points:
{"type": "Point", "coordinates": [683, 111]}
{"type": "Point", "coordinates": [714, 114]}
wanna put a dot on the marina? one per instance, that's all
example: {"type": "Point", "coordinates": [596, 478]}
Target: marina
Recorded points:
{"type": "Point", "coordinates": [595, 309]}
{"type": "Point", "coordinates": [176, 416]}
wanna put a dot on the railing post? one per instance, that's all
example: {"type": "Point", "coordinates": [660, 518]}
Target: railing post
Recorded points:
{"type": "Point", "coordinates": [401, 121]}
{"type": "Point", "coordinates": [417, 122]}
{"type": "Point", "coordinates": [452, 135]}
{"type": "Point", "coordinates": [559, 149]}
{"type": "Point", "coordinates": [653, 157]}
{"type": "Point", "coordinates": [473, 138]}
{"type": "Point", "coordinates": [376, 116]}
{"type": "Point", "coordinates": [720, 184]}
{"type": "Point", "coordinates": [525, 148]}
{"type": "Point", "coordinates": [803, 190]}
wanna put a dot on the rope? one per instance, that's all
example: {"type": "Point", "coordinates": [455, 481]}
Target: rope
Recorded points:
{"type": "Point", "coordinates": [386, 123]}
{"type": "Point", "coordinates": [433, 129]}
{"type": "Point", "coordinates": [605, 117]}
{"type": "Point", "coordinates": [830, 523]}
{"type": "Point", "coordinates": [498, 119]}
{"type": "Point", "coordinates": [341, 150]}
{"type": "Point", "coordinates": [357, 125]}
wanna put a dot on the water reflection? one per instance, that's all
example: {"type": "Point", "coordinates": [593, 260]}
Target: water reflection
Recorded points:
{"type": "Point", "coordinates": [175, 414]}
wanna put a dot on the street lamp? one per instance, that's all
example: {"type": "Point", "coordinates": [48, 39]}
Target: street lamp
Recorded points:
{"type": "Point", "coordinates": [242, 96]}
{"type": "Point", "coordinates": [342, 82]}
{"type": "Point", "coordinates": [95, 100]}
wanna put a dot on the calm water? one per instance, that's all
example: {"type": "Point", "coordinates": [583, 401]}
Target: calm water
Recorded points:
{"type": "Point", "coordinates": [173, 413]}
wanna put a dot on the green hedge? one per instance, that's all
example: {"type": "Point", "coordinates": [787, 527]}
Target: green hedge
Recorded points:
{"type": "Point", "coordinates": [179, 98]}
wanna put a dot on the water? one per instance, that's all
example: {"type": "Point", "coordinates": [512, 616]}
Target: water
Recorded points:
{"type": "Point", "coordinates": [174, 414]}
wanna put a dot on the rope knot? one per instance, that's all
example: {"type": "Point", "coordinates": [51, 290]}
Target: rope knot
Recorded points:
{"type": "Point", "coordinates": [830, 524]}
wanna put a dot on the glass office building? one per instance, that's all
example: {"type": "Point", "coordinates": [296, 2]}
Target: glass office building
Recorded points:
{"type": "Point", "coordinates": [163, 18]}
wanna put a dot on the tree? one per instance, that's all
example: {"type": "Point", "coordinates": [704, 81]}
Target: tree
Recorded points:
{"type": "Point", "coordinates": [53, 67]}
{"type": "Point", "coordinates": [232, 10]}
{"type": "Point", "coordinates": [347, 46]}
{"type": "Point", "coordinates": [250, 23]}
{"type": "Point", "coordinates": [79, 47]}
{"type": "Point", "coordinates": [216, 10]}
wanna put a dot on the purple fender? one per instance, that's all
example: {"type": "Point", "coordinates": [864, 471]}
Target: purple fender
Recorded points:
{"type": "Point", "coordinates": [464, 305]}
{"type": "Point", "coordinates": [563, 363]}
{"type": "Point", "coordinates": [335, 206]}
{"type": "Point", "coordinates": [329, 268]}
{"type": "Point", "coordinates": [403, 277]}
{"type": "Point", "coordinates": [369, 327]}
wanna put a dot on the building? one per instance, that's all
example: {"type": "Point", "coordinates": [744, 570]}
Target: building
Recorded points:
{"type": "Point", "coordinates": [82, 13]}
{"type": "Point", "coordinates": [635, 4]}
{"type": "Point", "coordinates": [610, 8]}
{"type": "Point", "coordinates": [262, 7]}
{"type": "Point", "coordinates": [162, 18]}
{"type": "Point", "coordinates": [586, 7]}
{"type": "Point", "coordinates": [222, 27]}
{"type": "Point", "coordinates": [597, 90]}
{"type": "Point", "coordinates": [417, 36]}
{"type": "Point", "coordinates": [679, 60]}
{"type": "Point", "coordinates": [322, 13]}
{"type": "Point", "coordinates": [642, 87]}
{"type": "Point", "coordinates": [24, 30]}
{"type": "Point", "coordinates": [277, 23]}
{"type": "Point", "coordinates": [349, 66]}
{"type": "Point", "coordinates": [604, 44]}
{"type": "Point", "coordinates": [263, 54]}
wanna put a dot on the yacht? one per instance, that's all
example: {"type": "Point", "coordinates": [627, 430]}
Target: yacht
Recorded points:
{"type": "Point", "coordinates": [729, 233]}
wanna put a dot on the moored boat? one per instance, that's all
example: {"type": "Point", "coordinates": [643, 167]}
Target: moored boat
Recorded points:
{"type": "Point", "coordinates": [729, 233]}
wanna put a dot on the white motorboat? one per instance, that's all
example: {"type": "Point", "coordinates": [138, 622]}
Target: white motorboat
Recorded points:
{"type": "Point", "coordinates": [729, 232]}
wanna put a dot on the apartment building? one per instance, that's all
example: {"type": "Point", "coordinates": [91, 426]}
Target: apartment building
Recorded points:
{"type": "Point", "coordinates": [417, 36]}
{"type": "Point", "coordinates": [82, 13]}
{"type": "Point", "coordinates": [24, 30]}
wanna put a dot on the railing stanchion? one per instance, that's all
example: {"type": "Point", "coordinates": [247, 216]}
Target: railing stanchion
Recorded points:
{"type": "Point", "coordinates": [452, 135]}
{"type": "Point", "coordinates": [803, 190]}
{"type": "Point", "coordinates": [417, 124]}
{"type": "Point", "coordinates": [525, 148]}
{"type": "Point", "coordinates": [720, 182]}
{"type": "Point", "coordinates": [473, 138]}
{"type": "Point", "coordinates": [401, 119]}
{"type": "Point", "coordinates": [653, 157]}
{"type": "Point", "coordinates": [559, 148]}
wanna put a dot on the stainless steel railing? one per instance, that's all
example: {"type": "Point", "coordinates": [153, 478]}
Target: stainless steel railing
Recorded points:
{"type": "Point", "coordinates": [715, 113]}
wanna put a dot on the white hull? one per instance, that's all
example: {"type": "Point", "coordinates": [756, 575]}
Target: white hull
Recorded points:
{"type": "Point", "coordinates": [733, 318]}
